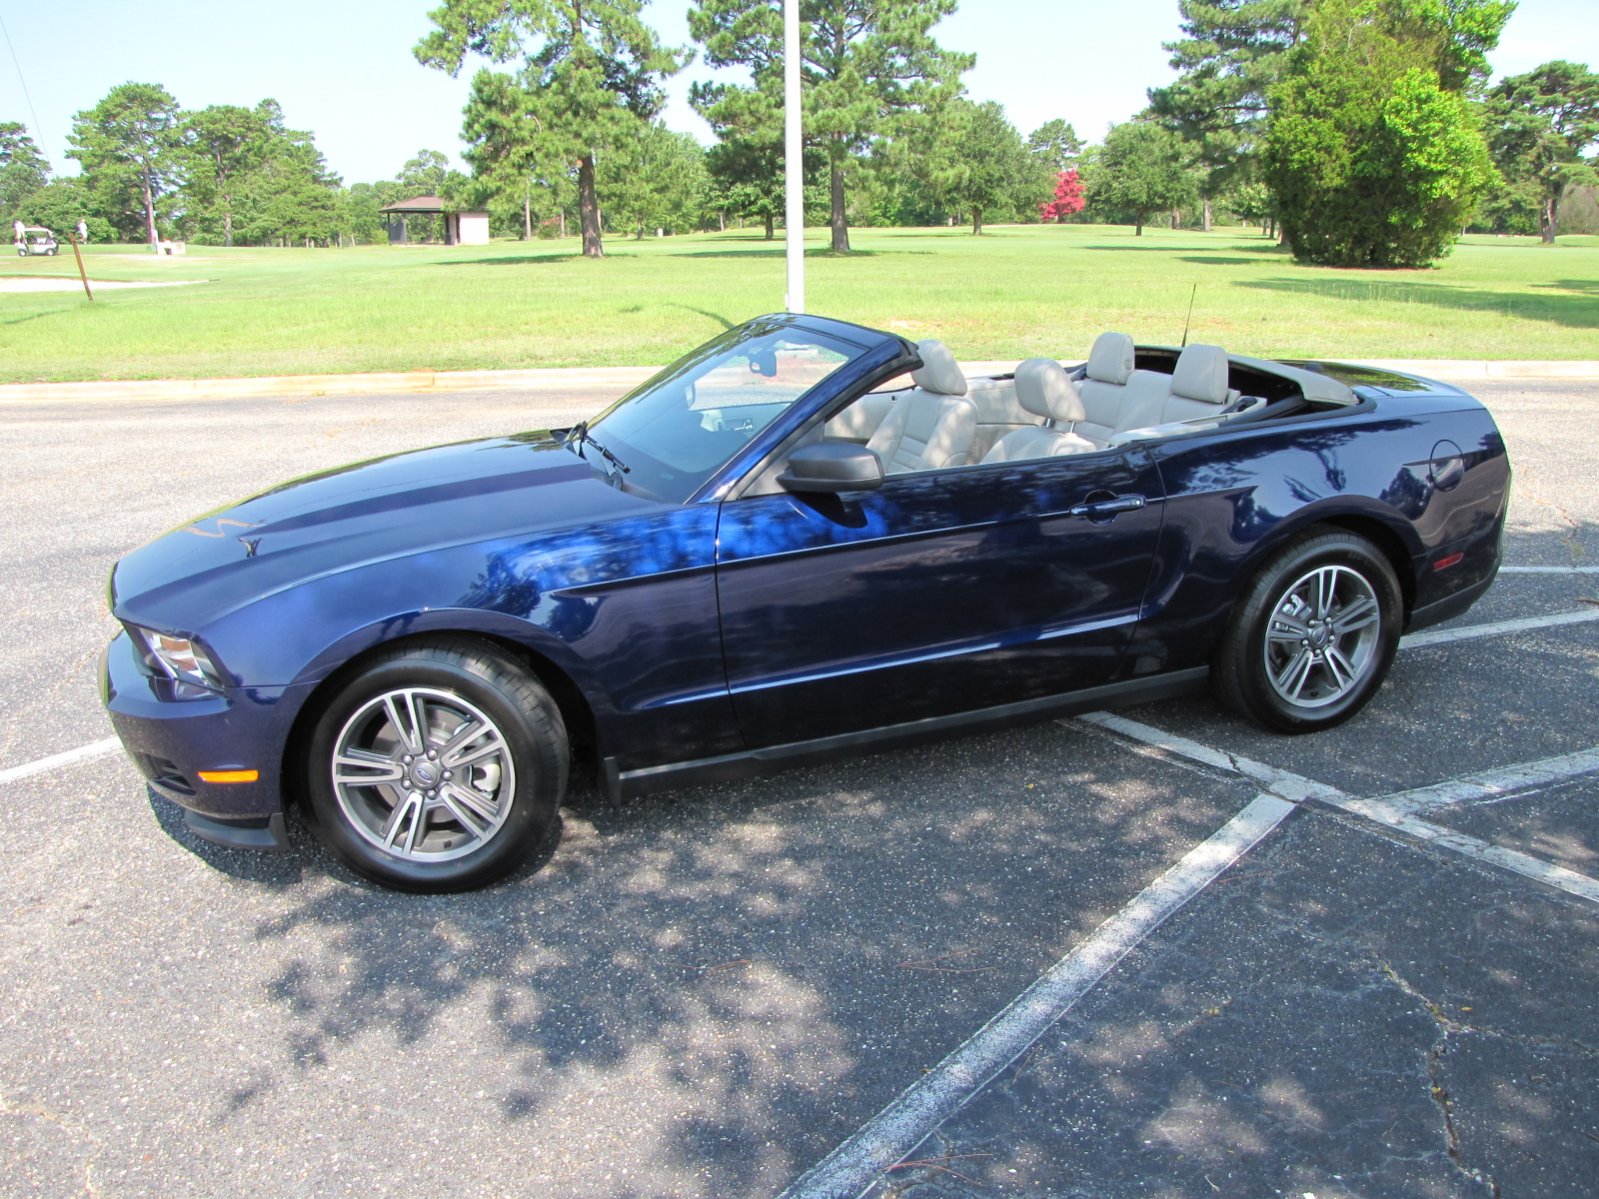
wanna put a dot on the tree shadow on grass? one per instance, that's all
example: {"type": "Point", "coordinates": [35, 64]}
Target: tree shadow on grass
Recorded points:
{"type": "Point", "coordinates": [516, 260]}
{"type": "Point", "coordinates": [1219, 260]}
{"type": "Point", "coordinates": [779, 251]}
{"type": "Point", "coordinates": [1581, 286]}
{"type": "Point", "coordinates": [1574, 309]}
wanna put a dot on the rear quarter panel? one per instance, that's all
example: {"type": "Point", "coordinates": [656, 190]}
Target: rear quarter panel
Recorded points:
{"type": "Point", "coordinates": [1235, 496]}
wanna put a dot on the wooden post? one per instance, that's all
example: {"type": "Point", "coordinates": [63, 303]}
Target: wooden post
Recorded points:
{"type": "Point", "coordinates": [78, 254]}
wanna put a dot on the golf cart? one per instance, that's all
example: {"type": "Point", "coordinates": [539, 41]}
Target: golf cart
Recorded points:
{"type": "Point", "coordinates": [35, 239]}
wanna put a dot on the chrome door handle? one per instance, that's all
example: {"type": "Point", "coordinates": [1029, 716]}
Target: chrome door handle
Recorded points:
{"type": "Point", "coordinates": [1106, 508]}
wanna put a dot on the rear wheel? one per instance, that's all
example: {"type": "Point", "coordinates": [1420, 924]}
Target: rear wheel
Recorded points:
{"type": "Point", "coordinates": [1313, 637]}
{"type": "Point", "coordinates": [440, 767]}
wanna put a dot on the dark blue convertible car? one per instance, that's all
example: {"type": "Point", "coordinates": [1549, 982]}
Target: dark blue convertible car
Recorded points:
{"type": "Point", "coordinates": [782, 547]}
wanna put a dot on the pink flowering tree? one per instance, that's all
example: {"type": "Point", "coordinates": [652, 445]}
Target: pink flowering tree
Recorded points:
{"type": "Point", "coordinates": [1068, 197]}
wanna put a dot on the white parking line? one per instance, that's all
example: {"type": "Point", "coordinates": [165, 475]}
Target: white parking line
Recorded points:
{"type": "Point", "coordinates": [1549, 570]}
{"type": "Point", "coordinates": [1524, 864]}
{"type": "Point", "coordinates": [95, 749]}
{"type": "Point", "coordinates": [1295, 788]}
{"type": "Point", "coordinates": [894, 1133]}
{"type": "Point", "coordinates": [1497, 784]}
{"type": "Point", "coordinates": [1497, 628]}
{"type": "Point", "coordinates": [1393, 811]}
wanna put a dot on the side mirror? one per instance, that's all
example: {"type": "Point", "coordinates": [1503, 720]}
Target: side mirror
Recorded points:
{"type": "Point", "coordinates": [764, 363]}
{"type": "Point", "coordinates": [832, 467]}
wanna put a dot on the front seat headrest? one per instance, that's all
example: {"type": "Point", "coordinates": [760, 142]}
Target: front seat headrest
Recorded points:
{"type": "Point", "coordinates": [938, 372]}
{"type": "Point", "coordinates": [1045, 389]}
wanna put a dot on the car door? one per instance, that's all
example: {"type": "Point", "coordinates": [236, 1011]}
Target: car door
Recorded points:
{"type": "Point", "coordinates": [939, 592]}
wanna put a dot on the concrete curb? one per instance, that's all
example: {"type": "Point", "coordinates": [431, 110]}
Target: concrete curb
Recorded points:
{"type": "Point", "coordinates": [619, 377]}
{"type": "Point", "coordinates": [386, 383]}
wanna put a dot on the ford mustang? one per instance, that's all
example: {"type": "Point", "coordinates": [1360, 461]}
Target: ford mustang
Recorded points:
{"type": "Point", "coordinates": [803, 538]}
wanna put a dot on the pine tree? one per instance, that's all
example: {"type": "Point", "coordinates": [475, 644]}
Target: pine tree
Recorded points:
{"type": "Point", "coordinates": [1232, 54]}
{"type": "Point", "coordinates": [1542, 123]}
{"type": "Point", "coordinates": [866, 62]}
{"type": "Point", "coordinates": [23, 170]}
{"type": "Point", "coordinates": [130, 145]}
{"type": "Point", "coordinates": [592, 69]}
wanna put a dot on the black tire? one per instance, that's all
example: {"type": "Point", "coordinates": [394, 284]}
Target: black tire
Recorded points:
{"type": "Point", "coordinates": [477, 796]}
{"type": "Point", "coordinates": [1303, 651]}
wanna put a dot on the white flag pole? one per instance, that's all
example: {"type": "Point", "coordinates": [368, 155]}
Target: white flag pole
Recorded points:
{"type": "Point", "coordinates": [793, 159]}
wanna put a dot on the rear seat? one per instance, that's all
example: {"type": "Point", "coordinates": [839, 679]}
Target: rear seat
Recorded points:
{"type": "Point", "coordinates": [1110, 365]}
{"type": "Point", "coordinates": [1157, 405]}
{"type": "Point", "coordinates": [999, 412]}
{"type": "Point", "coordinates": [1044, 389]}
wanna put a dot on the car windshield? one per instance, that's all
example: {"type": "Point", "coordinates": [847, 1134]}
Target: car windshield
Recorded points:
{"type": "Point", "coordinates": [675, 431]}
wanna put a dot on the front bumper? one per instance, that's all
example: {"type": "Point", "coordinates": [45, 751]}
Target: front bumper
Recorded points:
{"type": "Point", "coordinates": [172, 737]}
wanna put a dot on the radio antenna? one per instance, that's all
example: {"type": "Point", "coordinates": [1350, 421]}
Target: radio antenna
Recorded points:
{"type": "Point", "coordinates": [1190, 318]}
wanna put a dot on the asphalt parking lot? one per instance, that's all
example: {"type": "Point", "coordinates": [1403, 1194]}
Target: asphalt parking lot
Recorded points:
{"type": "Point", "coordinates": [1152, 954]}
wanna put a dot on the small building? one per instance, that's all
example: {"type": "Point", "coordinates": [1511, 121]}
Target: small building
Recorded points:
{"type": "Point", "coordinates": [460, 228]}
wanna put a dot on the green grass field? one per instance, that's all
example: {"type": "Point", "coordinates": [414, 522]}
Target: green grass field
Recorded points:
{"type": "Point", "coordinates": [1013, 292]}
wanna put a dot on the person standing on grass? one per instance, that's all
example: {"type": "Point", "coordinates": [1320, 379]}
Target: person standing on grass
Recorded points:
{"type": "Point", "coordinates": [83, 232]}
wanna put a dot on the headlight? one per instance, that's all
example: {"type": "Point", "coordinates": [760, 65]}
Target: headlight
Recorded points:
{"type": "Point", "coordinates": [179, 658]}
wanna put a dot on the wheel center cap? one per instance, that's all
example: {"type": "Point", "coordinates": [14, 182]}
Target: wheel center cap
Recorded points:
{"type": "Point", "coordinates": [1320, 636]}
{"type": "Point", "coordinates": [424, 774]}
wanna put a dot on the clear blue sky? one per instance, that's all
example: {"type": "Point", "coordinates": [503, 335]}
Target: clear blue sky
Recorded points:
{"type": "Point", "coordinates": [343, 68]}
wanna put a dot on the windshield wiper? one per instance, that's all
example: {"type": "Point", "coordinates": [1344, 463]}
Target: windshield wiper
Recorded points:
{"type": "Point", "coordinates": [580, 434]}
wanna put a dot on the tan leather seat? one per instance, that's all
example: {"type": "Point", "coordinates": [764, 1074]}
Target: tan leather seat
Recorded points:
{"type": "Point", "coordinates": [1198, 385]}
{"type": "Point", "coordinates": [933, 425]}
{"type": "Point", "coordinates": [1045, 389]}
{"type": "Point", "coordinates": [1196, 392]}
{"type": "Point", "coordinates": [1110, 364]}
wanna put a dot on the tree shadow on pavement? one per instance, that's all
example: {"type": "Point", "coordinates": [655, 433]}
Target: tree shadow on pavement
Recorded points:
{"type": "Point", "coordinates": [728, 979]}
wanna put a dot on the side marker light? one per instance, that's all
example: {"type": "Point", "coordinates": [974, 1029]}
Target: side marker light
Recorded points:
{"type": "Point", "coordinates": [229, 776]}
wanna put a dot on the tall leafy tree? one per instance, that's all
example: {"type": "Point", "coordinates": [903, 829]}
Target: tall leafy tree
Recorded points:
{"type": "Point", "coordinates": [591, 68]}
{"type": "Point", "coordinates": [290, 197]}
{"type": "Point", "coordinates": [427, 173]}
{"type": "Point", "coordinates": [517, 166]}
{"type": "Point", "coordinates": [978, 162]}
{"type": "Point", "coordinates": [1231, 54]}
{"type": "Point", "coordinates": [1056, 144]}
{"type": "Point", "coordinates": [746, 163]}
{"type": "Point", "coordinates": [224, 144]}
{"type": "Point", "coordinates": [653, 180]}
{"type": "Point", "coordinates": [1543, 122]}
{"type": "Point", "coordinates": [1373, 152]}
{"type": "Point", "coordinates": [131, 143]}
{"type": "Point", "coordinates": [23, 170]}
{"type": "Point", "coordinates": [866, 62]}
{"type": "Point", "coordinates": [1142, 168]}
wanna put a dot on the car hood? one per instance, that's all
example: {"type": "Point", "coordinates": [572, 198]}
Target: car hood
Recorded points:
{"type": "Point", "coordinates": [371, 511]}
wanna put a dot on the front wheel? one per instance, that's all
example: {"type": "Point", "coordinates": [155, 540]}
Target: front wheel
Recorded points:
{"type": "Point", "coordinates": [1313, 637]}
{"type": "Point", "coordinates": [440, 767]}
